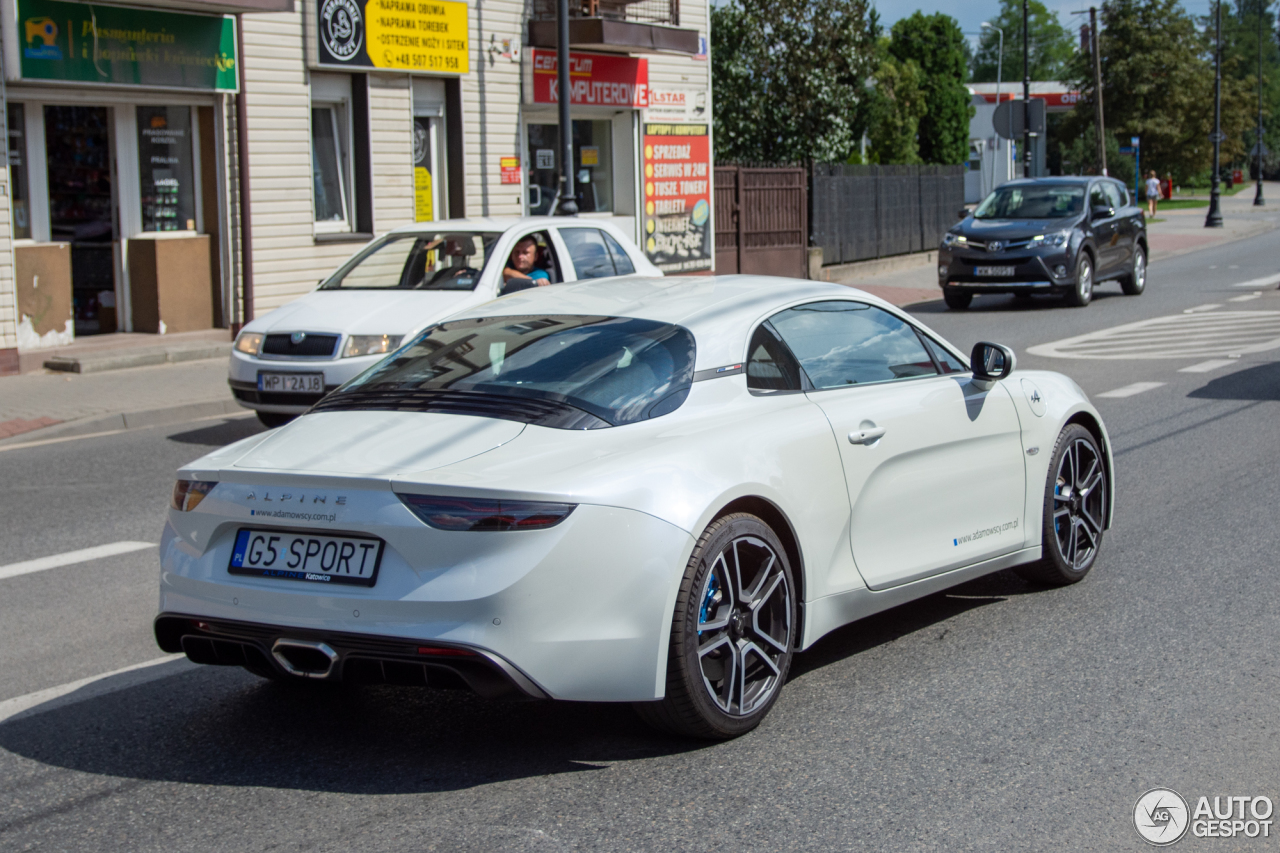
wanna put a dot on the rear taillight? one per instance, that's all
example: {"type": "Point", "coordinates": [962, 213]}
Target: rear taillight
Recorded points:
{"type": "Point", "coordinates": [187, 494]}
{"type": "Point", "coordinates": [445, 513]}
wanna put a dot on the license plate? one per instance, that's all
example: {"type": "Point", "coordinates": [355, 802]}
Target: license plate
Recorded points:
{"type": "Point", "coordinates": [292, 383]}
{"type": "Point", "coordinates": [306, 557]}
{"type": "Point", "coordinates": [994, 272]}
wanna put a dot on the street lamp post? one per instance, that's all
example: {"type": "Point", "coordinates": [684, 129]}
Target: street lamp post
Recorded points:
{"type": "Point", "coordinates": [568, 204]}
{"type": "Point", "coordinates": [1026, 96]}
{"type": "Point", "coordinates": [1214, 218]}
{"type": "Point", "coordinates": [1258, 200]}
{"type": "Point", "coordinates": [999, 75]}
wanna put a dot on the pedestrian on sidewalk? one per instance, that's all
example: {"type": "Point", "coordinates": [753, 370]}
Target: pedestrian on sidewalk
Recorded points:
{"type": "Point", "coordinates": [1153, 192]}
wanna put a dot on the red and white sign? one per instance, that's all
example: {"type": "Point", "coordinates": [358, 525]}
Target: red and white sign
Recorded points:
{"type": "Point", "coordinates": [1051, 99]}
{"type": "Point", "coordinates": [595, 80]}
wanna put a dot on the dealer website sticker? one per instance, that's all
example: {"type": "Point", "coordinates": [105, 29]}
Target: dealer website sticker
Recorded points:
{"type": "Point", "coordinates": [1160, 816]}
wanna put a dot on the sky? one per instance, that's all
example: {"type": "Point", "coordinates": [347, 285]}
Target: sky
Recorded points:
{"type": "Point", "coordinates": [971, 13]}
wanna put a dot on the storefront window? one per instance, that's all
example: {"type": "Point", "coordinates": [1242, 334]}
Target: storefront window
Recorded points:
{"type": "Point", "coordinates": [329, 164]}
{"type": "Point", "coordinates": [19, 189]}
{"type": "Point", "coordinates": [592, 164]}
{"type": "Point", "coordinates": [165, 168]}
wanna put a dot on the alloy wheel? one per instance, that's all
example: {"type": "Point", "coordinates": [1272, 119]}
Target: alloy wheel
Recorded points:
{"type": "Point", "coordinates": [1079, 504]}
{"type": "Point", "coordinates": [1085, 284]}
{"type": "Point", "coordinates": [744, 626]}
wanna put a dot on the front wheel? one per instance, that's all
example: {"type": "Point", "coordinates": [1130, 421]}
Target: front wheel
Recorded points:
{"type": "Point", "coordinates": [1136, 281]}
{"type": "Point", "coordinates": [1081, 292]}
{"type": "Point", "coordinates": [732, 633]}
{"type": "Point", "coordinates": [271, 420]}
{"type": "Point", "coordinates": [1075, 510]}
{"type": "Point", "coordinates": [957, 300]}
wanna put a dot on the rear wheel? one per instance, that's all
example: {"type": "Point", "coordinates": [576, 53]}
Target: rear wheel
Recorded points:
{"type": "Point", "coordinates": [271, 420]}
{"type": "Point", "coordinates": [957, 300]}
{"type": "Point", "coordinates": [732, 633]}
{"type": "Point", "coordinates": [1136, 281]}
{"type": "Point", "coordinates": [1081, 293]}
{"type": "Point", "coordinates": [1075, 510]}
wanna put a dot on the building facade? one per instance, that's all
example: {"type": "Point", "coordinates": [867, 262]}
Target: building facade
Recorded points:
{"type": "Point", "coordinates": [194, 165]}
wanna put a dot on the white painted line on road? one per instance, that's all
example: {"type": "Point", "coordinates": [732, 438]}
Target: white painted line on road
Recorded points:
{"type": "Point", "coordinates": [11, 708]}
{"type": "Point", "coordinates": [1265, 281]}
{"type": "Point", "coordinates": [1130, 390]}
{"type": "Point", "coordinates": [26, 567]}
{"type": "Point", "coordinates": [1199, 308]}
{"type": "Point", "coordinates": [1206, 366]}
{"type": "Point", "coordinates": [1248, 297]}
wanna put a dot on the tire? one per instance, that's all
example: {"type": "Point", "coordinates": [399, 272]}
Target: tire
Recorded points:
{"type": "Point", "coordinates": [1136, 281]}
{"type": "Point", "coordinates": [1075, 510]}
{"type": "Point", "coordinates": [271, 420]}
{"type": "Point", "coordinates": [751, 630]}
{"type": "Point", "coordinates": [957, 300]}
{"type": "Point", "coordinates": [1081, 293]}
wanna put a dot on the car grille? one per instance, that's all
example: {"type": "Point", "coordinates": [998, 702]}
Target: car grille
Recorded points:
{"type": "Point", "coordinates": [312, 346]}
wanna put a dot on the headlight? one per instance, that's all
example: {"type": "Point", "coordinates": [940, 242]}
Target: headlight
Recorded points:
{"type": "Point", "coordinates": [371, 345]}
{"type": "Point", "coordinates": [1057, 239]}
{"type": "Point", "coordinates": [486, 514]}
{"type": "Point", "coordinates": [249, 343]}
{"type": "Point", "coordinates": [187, 494]}
{"type": "Point", "coordinates": [950, 239]}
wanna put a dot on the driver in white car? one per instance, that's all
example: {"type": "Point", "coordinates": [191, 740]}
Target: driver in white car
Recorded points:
{"type": "Point", "coordinates": [523, 264]}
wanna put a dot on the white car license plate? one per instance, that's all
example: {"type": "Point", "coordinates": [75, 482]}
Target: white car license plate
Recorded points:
{"type": "Point", "coordinates": [292, 383]}
{"type": "Point", "coordinates": [304, 556]}
{"type": "Point", "coordinates": [994, 272]}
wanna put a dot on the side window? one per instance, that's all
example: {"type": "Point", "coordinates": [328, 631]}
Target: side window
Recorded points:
{"type": "Point", "coordinates": [948, 362]}
{"type": "Point", "coordinates": [1098, 198]}
{"type": "Point", "coordinates": [843, 343]}
{"type": "Point", "coordinates": [770, 365]}
{"type": "Point", "coordinates": [1115, 194]}
{"type": "Point", "coordinates": [621, 262]}
{"type": "Point", "coordinates": [588, 252]}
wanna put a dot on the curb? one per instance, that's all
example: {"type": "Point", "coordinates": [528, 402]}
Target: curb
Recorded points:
{"type": "Point", "coordinates": [122, 421]}
{"type": "Point", "coordinates": [98, 362]}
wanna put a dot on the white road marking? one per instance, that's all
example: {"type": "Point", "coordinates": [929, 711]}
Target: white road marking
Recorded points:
{"type": "Point", "coordinates": [1213, 334]}
{"type": "Point", "coordinates": [1130, 390]}
{"type": "Point", "coordinates": [1265, 281]}
{"type": "Point", "coordinates": [1248, 297]}
{"type": "Point", "coordinates": [26, 567]}
{"type": "Point", "coordinates": [11, 708]}
{"type": "Point", "coordinates": [1206, 366]}
{"type": "Point", "coordinates": [1199, 308]}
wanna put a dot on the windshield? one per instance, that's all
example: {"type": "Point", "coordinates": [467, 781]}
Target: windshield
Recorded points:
{"type": "Point", "coordinates": [1033, 201]}
{"type": "Point", "coordinates": [618, 370]}
{"type": "Point", "coordinates": [443, 261]}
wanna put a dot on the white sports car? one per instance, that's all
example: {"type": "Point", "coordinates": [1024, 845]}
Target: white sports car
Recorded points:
{"type": "Point", "coordinates": [285, 361]}
{"type": "Point", "coordinates": [647, 490]}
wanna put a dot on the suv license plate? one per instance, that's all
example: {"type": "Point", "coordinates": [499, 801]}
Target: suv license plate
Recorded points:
{"type": "Point", "coordinates": [292, 383]}
{"type": "Point", "coordinates": [994, 272]}
{"type": "Point", "coordinates": [303, 556]}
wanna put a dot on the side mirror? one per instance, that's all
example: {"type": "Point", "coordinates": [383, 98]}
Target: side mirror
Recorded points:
{"type": "Point", "coordinates": [991, 362]}
{"type": "Point", "coordinates": [962, 213]}
{"type": "Point", "coordinates": [1101, 212]}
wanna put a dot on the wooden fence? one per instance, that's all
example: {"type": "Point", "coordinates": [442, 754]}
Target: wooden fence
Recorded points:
{"type": "Point", "coordinates": [762, 222]}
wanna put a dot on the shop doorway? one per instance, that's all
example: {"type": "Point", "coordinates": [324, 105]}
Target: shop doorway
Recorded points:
{"type": "Point", "coordinates": [81, 209]}
{"type": "Point", "coordinates": [592, 164]}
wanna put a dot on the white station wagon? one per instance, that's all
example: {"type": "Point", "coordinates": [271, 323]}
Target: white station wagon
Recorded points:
{"type": "Point", "coordinates": [286, 361]}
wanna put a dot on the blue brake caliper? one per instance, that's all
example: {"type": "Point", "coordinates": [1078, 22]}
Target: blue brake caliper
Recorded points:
{"type": "Point", "coordinates": [712, 596]}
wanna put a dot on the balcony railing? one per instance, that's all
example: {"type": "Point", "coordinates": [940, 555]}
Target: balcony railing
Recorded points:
{"type": "Point", "coordinates": [638, 12]}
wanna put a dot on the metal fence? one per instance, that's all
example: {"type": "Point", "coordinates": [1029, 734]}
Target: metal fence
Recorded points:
{"type": "Point", "coordinates": [862, 212]}
{"type": "Point", "coordinates": [761, 220]}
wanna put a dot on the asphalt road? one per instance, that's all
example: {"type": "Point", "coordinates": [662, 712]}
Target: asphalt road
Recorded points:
{"type": "Point", "coordinates": [993, 717]}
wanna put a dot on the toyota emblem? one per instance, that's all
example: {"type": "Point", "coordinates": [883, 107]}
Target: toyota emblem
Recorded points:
{"type": "Point", "coordinates": [297, 338]}
{"type": "Point", "coordinates": [995, 245]}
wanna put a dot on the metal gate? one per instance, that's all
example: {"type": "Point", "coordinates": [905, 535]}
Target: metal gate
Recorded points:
{"type": "Point", "coordinates": [762, 221]}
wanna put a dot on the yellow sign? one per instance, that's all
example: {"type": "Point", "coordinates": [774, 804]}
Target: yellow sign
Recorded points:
{"type": "Point", "coordinates": [417, 35]}
{"type": "Point", "coordinates": [423, 208]}
{"type": "Point", "coordinates": [591, 156]}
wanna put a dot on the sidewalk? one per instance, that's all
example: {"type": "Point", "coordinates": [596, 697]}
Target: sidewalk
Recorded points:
{"type": "Point", "coordinates": [95, 353]}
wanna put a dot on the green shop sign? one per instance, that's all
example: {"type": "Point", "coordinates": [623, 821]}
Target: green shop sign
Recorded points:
{"type": "Point", "coordinates": [131, 47]}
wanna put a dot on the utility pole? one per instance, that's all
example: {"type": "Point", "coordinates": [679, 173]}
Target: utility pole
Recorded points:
{"type": "Point", "coordinates": [1214, 217]}
{"type": "Point", "coordinates": [1026, 95]}
{"type": "Point", "coordinates": [1097, 87]}
{"type": "Point", "coordinates": [1258, 200]}
{"type": "Point", "coordinates": [1004, 167]}
{"type": "Point", "coordinates": [568, 204]}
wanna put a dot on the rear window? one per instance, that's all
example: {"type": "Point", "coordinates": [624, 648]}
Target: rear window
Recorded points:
{"type": "Point", "coordinates": [564, 371]}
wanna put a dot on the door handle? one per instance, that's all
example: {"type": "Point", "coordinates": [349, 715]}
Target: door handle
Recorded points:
{"type": "Point", "coordinates": [870, 435]}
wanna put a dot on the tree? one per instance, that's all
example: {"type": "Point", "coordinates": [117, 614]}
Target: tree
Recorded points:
{"type": "Point", "coordinates": [1050, 44]}
{"type": "Point", "coordinates": [789, 78]}
{"type": "Point", "coordinates": [936, 45]}
{"type": "Point", "coordinates": [1157, 84]}
{"type": "Point", "coordinates": [1240, 33]}
{"type": "Point", "coordinates": [897, 106]}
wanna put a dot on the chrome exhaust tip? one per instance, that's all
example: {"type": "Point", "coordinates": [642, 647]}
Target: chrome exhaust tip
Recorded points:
{"type": "Point", "coordinates": [304, 658]}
